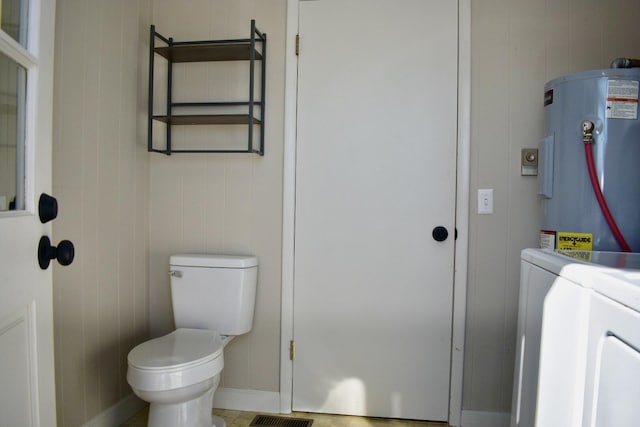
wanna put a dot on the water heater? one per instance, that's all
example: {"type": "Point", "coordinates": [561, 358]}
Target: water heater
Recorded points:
{"type": "Point", "coordinates": [594, 111]}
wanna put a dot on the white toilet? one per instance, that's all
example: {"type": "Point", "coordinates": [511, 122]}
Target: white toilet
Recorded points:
{"type": "Point", "coordinates": [213, 298]}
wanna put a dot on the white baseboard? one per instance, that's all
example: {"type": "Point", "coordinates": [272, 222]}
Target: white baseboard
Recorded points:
{"type": "Point", "coordinates": [485, 419]}
{"type": "Point", "coordinates": [225, 398]}
{"type": "Point", "coordinates": [247, 400]}
{"type": "Point", "coordinates": [118, 413]}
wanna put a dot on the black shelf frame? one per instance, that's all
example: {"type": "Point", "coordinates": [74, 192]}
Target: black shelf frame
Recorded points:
{"type": "Point", "coordinates": [209, 51]}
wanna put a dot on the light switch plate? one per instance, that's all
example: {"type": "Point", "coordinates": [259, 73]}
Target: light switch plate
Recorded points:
{"type": "Point", "coordinates": [485, 201]}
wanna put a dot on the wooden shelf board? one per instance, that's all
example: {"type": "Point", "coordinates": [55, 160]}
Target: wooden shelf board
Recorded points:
{"type": "Point", "coordinates": [211, 119]}
{"type": "Point", "coordinates": [208, 52]}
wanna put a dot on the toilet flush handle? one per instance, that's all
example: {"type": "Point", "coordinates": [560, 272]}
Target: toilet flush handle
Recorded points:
{"type": "Point", "coordinates": [175, 273]}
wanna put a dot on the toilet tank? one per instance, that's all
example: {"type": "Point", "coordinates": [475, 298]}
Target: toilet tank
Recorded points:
{"type": "Point", "coordinates": [216, 292]}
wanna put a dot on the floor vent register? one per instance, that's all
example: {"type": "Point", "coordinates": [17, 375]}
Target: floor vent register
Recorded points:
{"type": "Point", "coordinates": [277, 421]}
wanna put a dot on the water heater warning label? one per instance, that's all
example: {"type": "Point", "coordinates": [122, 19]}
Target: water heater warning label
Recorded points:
{"type": "Point", "coordinates": [622, 99]}
{"type": "Point", "coordinates": [547, 239]}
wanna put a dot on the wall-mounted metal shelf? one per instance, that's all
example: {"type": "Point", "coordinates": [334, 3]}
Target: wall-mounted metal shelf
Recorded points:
{"type": "Point", "coordinates": [252, 49]}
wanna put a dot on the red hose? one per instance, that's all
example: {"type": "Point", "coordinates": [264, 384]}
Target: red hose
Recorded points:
{"type": "Point", "coordinates": [601, 201]}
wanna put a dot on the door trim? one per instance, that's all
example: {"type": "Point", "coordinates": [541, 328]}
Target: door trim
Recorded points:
{"type": "Point", "coordinates": [462, 209]}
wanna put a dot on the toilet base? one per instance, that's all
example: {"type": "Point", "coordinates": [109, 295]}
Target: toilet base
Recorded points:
{"type": "Point", "coordinates": [196, 412]}
{"type": "Point", "coordinates": [218, 421]}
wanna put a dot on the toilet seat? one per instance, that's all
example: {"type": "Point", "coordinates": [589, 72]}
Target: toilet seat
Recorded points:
{"type": "Point", "coordinates": [181, 358]}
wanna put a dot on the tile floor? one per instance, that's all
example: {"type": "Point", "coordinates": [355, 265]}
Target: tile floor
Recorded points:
{"type": "Point", "coordinates": [242, 419]}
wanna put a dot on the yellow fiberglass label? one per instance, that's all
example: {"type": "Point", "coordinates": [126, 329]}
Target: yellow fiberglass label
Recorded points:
{"type": "Point", "coordinates": [575, 241]}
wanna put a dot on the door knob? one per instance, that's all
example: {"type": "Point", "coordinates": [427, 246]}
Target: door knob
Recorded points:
{"type": "Point", "coordinates": [440, 233]}
{"type": "Point", "coordinates": [64, 252]}
{"type": "Point", "coordinates": [47, 208]}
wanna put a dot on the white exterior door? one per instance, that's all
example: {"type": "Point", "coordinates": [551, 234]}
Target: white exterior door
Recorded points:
{"type": "Point", "coordinates": [27, 392]}
{"type": "Point", "coordinates": [375, 175]}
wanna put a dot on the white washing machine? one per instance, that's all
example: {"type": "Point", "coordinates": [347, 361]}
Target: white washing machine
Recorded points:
{"type": "Point", "coordinates": [551, 355]}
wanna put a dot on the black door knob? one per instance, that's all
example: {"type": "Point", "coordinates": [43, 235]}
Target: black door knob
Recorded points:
{"type": "Point", "coordinates": [440, 234]}
{"type": "Point", "coordinates": [64, 253]}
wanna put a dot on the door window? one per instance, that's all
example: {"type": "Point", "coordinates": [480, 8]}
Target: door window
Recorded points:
{"type": "Point", "coordinates": [12, 96]}
{"type": "Point", "coordinates": [14, 19]}
{"type": "Point", "coordinates": [15, 62]}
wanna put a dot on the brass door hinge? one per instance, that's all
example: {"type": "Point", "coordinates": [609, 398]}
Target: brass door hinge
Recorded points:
{"type": "Point", "coordinates": [297, 44]}
{"type": "Point", "coordinates": [292, 349]}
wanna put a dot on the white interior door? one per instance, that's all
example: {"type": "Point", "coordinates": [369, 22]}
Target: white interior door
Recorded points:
{"type": "Point", "coordinates": [375, 174]}
{"type": "Point", "coordinates": [27, 392]}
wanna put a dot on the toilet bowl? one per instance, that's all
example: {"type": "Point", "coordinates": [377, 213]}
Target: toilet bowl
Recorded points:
{"type": "Point", "coordinates": [178, 374]}
{"type": "Point", "coordinates": [213, 299]}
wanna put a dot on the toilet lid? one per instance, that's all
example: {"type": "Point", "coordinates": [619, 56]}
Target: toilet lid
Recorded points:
{"type": "Point", "coordinates": [179, 349]}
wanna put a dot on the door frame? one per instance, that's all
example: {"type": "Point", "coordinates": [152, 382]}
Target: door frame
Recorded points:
{"type": "Point", "coordinates": [461, 214]}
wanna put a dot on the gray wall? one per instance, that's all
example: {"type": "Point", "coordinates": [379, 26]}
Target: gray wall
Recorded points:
{"type": "Point", "coordinates": [223, 203]}
{"type": "Point", "coordinates": [516, 47]}
{"type": "Point", "coordinates": [100, 177]}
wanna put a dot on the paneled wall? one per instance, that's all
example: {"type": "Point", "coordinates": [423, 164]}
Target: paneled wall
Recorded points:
{"type": "Point", "coordinates": [101, 181]}
{"type": "Point", "coordinates": [516, 47]}
{"type": "Point", "coordinates": [223, 203]}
